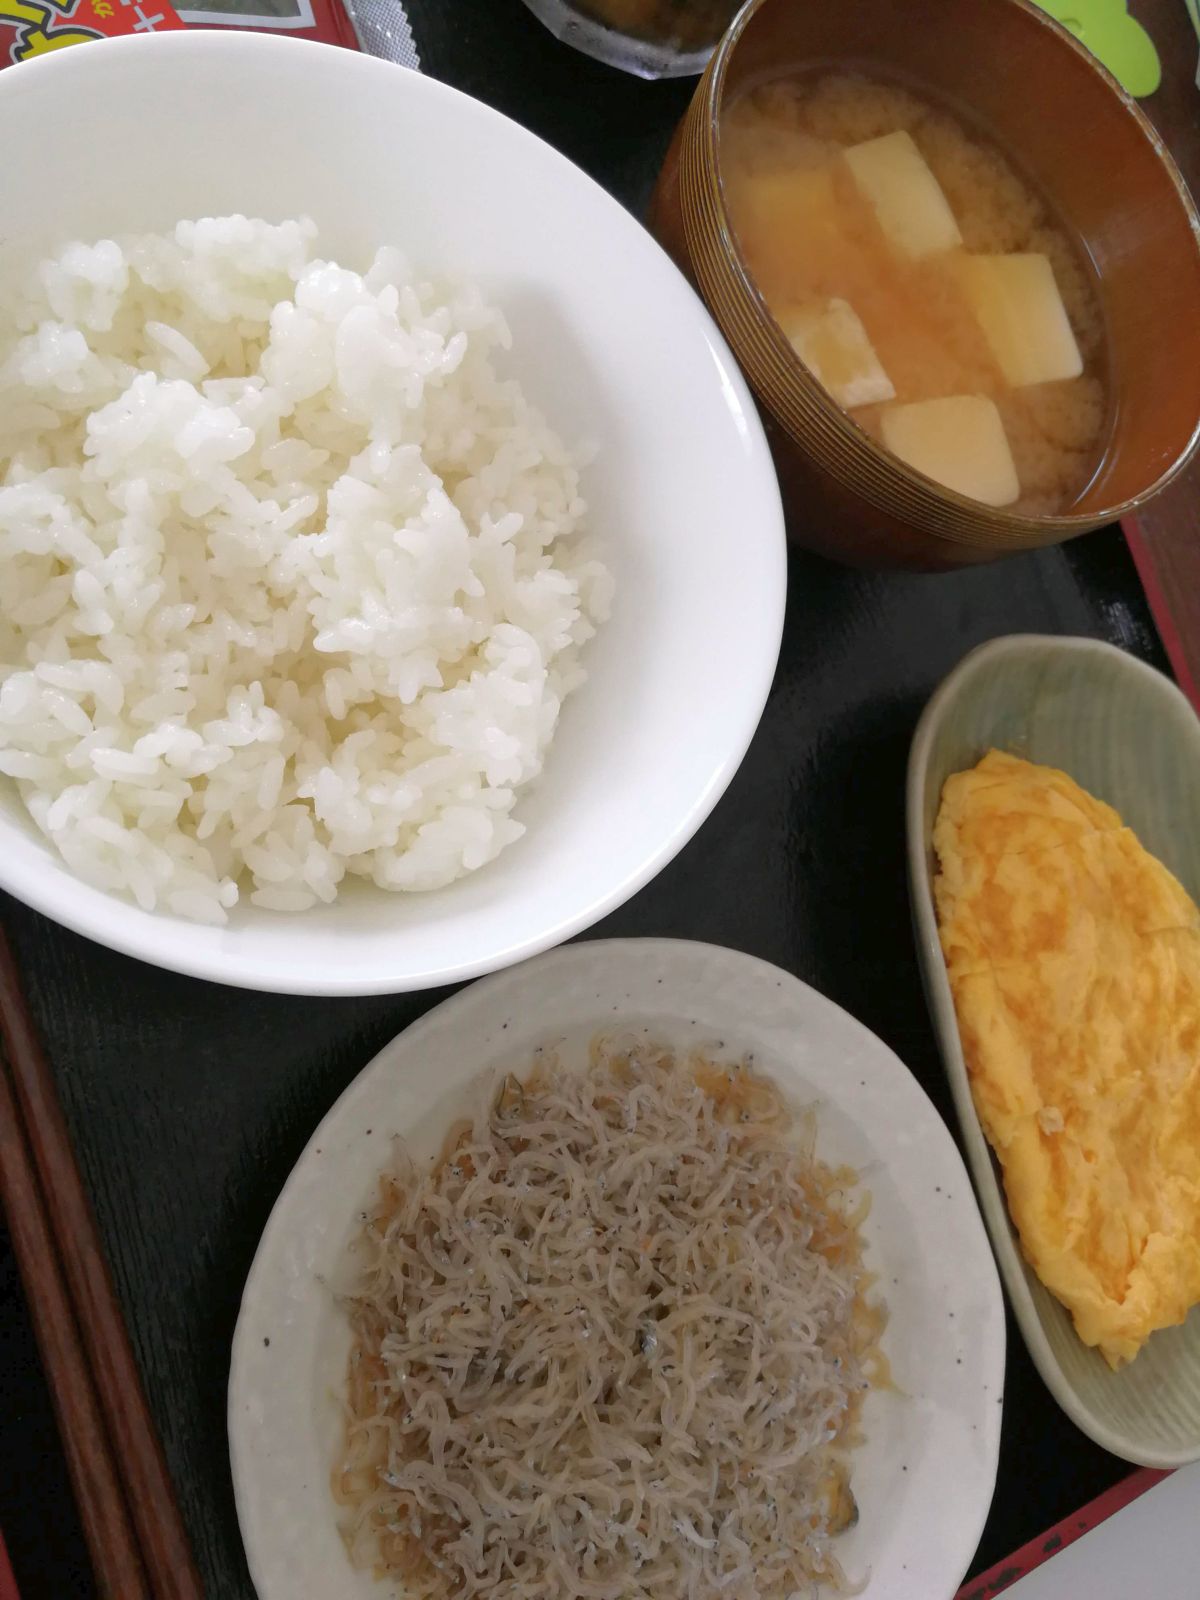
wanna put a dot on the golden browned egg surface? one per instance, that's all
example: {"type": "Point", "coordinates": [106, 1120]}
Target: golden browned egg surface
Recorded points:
{"type": "Point", "coordinates": [1074, 961]}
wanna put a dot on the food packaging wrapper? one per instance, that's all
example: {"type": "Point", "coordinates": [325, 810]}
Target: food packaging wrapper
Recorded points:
{"type": "Point", "coordinates": [31, 28]}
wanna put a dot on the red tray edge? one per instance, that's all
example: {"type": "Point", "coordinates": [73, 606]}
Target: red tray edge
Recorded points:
{"type": "Point", "coordinates": [1160, 608]}
{"type": "Point", "coordinates": [8, 1584]}
{"type": "Point", "coordinates": [1005, 1573]}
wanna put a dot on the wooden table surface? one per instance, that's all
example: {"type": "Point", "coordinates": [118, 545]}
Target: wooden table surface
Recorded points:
{"type": "Point", "coordinates": [189, 1103]}
{"type": "Point", "coordinates": [1167, 537]}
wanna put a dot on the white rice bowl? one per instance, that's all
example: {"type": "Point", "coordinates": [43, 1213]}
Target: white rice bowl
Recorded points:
{"type": "Point", "coordinates": [611, 345]}
{"type": "Point", "coordinates": [294, 583]}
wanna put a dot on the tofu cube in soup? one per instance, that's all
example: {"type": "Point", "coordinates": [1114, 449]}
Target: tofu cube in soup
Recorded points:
{"type": "Point", "coordinates": [895, 178]}
{"type": "Point", "coordinates": [958, 441]}
{"type": "Point", "coordinates": [833, 344]}
{"type": "Point", "coordinates": [1016, 301]}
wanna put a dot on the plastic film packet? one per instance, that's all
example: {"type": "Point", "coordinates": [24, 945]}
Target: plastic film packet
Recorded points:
{"type": "Point", "coordinates": [33, 27]}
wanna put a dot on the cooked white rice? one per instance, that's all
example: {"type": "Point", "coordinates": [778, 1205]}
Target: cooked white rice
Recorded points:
{"type": "Point", "coordinates": [292, 578]}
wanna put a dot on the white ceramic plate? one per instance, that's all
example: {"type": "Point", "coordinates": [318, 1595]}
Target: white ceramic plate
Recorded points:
{"type": "Point", "coordinates": [924, 1477]}
{"type": "Point", "coordinates": [610, 342]}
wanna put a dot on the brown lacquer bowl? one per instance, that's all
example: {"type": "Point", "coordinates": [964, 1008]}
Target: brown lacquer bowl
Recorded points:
{"type": "Point", "coordinates": [1005, 69]}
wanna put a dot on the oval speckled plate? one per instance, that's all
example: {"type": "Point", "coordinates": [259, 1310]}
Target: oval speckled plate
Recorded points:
{"type": "Point", "coordinates": [924, 1474]}
{"type": "Point", "coordinates": [1130, 737]}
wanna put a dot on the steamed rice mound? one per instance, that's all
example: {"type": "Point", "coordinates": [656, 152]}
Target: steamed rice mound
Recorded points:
{"type": "Point", "coordinates": [292, 580]}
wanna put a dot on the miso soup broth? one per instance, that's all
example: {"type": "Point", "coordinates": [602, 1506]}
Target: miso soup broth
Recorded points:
{"type": "Point", "coordinates": [925, 285]}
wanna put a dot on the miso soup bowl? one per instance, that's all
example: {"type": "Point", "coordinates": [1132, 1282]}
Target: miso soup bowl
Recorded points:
{"type": "Point", "coordinates": [1020, 80]}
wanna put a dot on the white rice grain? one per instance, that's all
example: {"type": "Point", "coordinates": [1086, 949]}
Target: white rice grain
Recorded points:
{"type": "Point", "coordinates": [294, 580]}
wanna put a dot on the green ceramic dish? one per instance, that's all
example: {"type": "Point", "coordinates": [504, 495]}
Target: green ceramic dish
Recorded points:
{"type": "Point", "coordinates": [1126, 734]}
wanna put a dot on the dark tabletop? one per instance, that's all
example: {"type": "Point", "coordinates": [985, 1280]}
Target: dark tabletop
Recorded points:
{"type": "Point", "coordinates": [189, 1102]}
